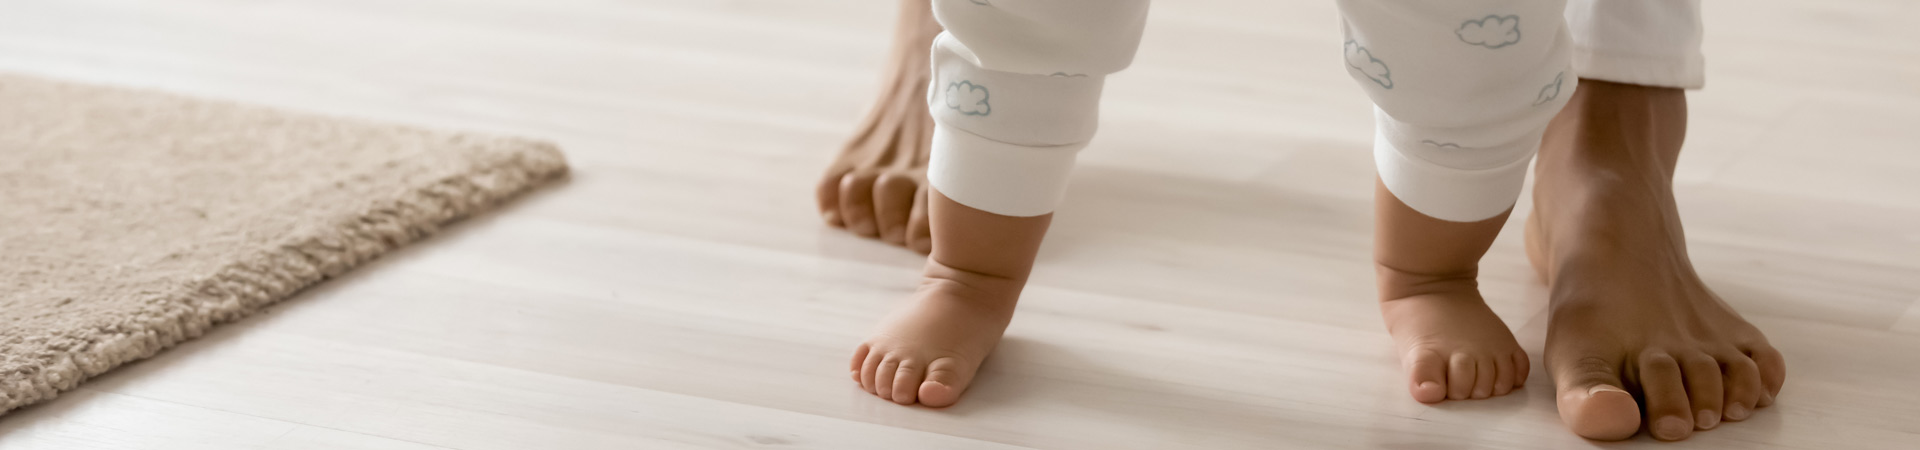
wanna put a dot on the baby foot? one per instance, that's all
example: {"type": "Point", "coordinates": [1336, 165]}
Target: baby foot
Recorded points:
{"type": "Point", "coordinates": [1452, 346]}
{"type": "Point", "coordinates": [929, 352]}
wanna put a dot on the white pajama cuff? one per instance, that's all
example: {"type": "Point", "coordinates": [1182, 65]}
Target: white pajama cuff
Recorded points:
{"type": "Point", "coordinates": [998, 177]}
{"type": "Point", "coordinates": [1644, 42]}
{"type": "Point", "coordinates": [1445, 193]}
{"type": "Point", "coordinates": [1680, 71]}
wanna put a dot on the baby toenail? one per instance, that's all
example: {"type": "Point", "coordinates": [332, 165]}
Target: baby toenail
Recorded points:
{"type": "Point", "coordinates": [1736, 411]}
{"type": "Point", "coordinates": [1706, 420]}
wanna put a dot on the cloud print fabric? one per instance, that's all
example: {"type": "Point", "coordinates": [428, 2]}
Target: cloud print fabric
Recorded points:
{"type": "Point", "coordinates": [1491, 31]}
{"type": "Point", "coordinates": [968, 98]}
{"type": "Point", "coordinates": [1359, 58]}
{"type": "Point", "coordinates": [1462, 94]}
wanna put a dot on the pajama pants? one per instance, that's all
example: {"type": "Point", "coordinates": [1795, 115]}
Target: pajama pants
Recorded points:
{"type": "Point", "coordinates": [1462, 90]}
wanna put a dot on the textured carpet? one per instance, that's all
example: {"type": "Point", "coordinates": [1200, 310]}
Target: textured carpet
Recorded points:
{"type": "Point", "coordinates": [132, 220]}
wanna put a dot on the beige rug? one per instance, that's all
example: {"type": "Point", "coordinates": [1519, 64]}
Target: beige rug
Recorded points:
{"type": "Point", "coordinates": [132, 220]}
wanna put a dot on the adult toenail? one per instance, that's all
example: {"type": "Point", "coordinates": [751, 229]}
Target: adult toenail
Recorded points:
{"type": "Point", "coordinates": [1706, 420]}
{"type": "Point", "coordinates": [1737, 411]}
{"type": "Point", "coordinates": [1672, 427]}
{"type": "Point", "coordinates": [1596, 389]}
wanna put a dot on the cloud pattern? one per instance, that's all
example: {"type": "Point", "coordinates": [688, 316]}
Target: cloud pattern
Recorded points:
{"type": "Point", "coordinates": [968, 98]}
{"type": "Point", "coordinates": [1359, 58]}
{"type": "Point", "coordinates": [1492, 31]}
{"type": "Point", "coordinates": [1551, 90]}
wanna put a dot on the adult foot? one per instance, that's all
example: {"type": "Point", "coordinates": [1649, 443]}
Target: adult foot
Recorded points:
{"type": "Point", "coordinates": [877, 186]}
{"type": "Point", "coordinates": [929, 352]}
{"type": "Point", "coordinates": [1634, 337]}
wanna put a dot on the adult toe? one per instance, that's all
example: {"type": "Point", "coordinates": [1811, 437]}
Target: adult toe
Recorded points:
{"type": "Point", "coordinates": [1773, 371]}
{"type": "Point", "coordinates": [1743, 385]}
{"type": "Point", "coordinates": [1591, 400]}
{"type": "Point", "coordinates": [1704, 391]}
{"type": "Point", "coordinates": [1522, 366]}
{"type": "Point", "coordinates": [827, 195]}
{"type": "Point", "coordinates": [893, 197]}
{"type": "Point", "coordinates": [856, 202]}
{"type": "Point", "coordinates": [919, 229]}
{"type": "Point", "coordinates": [1663, 385]}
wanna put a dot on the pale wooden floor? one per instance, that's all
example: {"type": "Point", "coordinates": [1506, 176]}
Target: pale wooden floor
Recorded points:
{"type": "Point", "coordinates": [1206, 285]}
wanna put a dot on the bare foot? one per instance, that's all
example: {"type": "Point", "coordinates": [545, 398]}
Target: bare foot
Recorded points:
{"type": "Point", "coordinates": [877, 186]}
{"type": "Point", "coordinates": [1634, 336]}
{"type": "Point", "coordinates": [929, 352]}
{"type": "Point", "coordinates": [1451, 345]}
